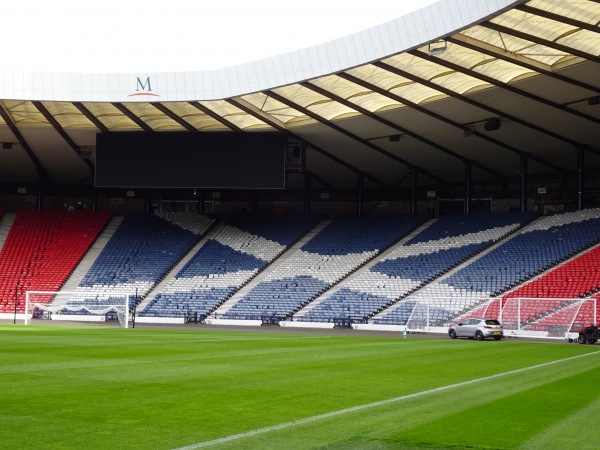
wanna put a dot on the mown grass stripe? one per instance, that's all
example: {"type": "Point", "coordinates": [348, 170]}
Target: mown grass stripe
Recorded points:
{"type": "Point", "coordinates": [328, 415]}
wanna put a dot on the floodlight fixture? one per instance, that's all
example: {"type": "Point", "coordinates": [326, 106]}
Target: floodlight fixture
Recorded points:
{"type": "Point", "coordinates": [492, 124]}
{"type": "Point", "coordinates": [438, 47]}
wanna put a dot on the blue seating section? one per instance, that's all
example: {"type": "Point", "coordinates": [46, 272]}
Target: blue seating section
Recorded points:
{"type": "Point", "coordinates": [425, 267]}
{"type": "Point", "coordinates": [242, 248]}
{"type": "Point", "coordinates": [438, 248]}
{"type": "Point", "coordinates": [361, 234]}
{"type": "Point", "coordinates": [454, 224]}
{"type": "Point", "coordinates": [139, 254]}
{"type": "Point", "coordinates": [341, 247]}
{"type": "Point", "coordinates": [290, 292]}
{"type": "Point", "coordinates": [216, 258]}
{"type": "Point", "coordinates": [541, 245]}
{"type": "Point", "coordinates": [524, 256]}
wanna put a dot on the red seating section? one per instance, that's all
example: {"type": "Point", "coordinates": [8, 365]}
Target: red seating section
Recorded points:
{"type": "Point", "coordinates": [579, 277]}
{"type": "Point", "coordinates": [41, 251]}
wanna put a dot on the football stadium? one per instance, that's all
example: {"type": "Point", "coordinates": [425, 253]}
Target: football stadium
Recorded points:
{"type": "Point", "coordinates": [283, 253]}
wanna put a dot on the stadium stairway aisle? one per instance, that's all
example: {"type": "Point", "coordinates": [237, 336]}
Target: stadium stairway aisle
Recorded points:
{"type": "Point", "coordinates": [434, 251]}
{"type": "Point", "coordinates": [341, 248]}
{"type": "Point", "coordinates": [273, 266]}
{"type": "Point", "coordinates": [170, 277]}
{"type": "Point", "coordinates": [241, 249]}
{"type": "Point", "coordinates": [41, 251]}
{"type": "Point", "coordinates": [90, 257]}
{"type": "Point", "coordinates": [6, 221]}
{"type": "Point", "coordinates": [141, 251]}
{"type": "Point", "coordinates": [360, 272]}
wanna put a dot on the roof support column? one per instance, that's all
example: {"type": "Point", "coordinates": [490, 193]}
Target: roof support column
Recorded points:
{"type": "Point", "coordinates": [94, 199]}
{"type": "Point", "coordinates": [360, 182]}
{"type": "Point", "coordinates": [40, 191]}
{"type": "Point", "coordinates": [307, 189]}
{"type": "Point", "coordinates": [253, 201]}
{"type": "Point", "coordinates": [580, 176]}
{"type": "Point", "coordinates": [414, 181]}
{"type": "Point", "coordinates": [200, 208]}
{"type": "Point", "coordinates": [524, 182]}
{"type": "Point", "coordinates": [148, 206]}
{"type": "Point", "coordinates": [468, 178]}
{"type": "Point", "coordinates": [93, 194]}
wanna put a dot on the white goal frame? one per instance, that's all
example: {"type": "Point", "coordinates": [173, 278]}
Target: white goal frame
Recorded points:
{"type": "Point", "coordinates": [99, 310]}
{"type": "Point", "coordinates": [556, 320]}
{"type": "Point", "coordinates": [514, 323]}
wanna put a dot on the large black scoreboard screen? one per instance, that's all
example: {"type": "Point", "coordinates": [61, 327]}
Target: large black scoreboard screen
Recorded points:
{"type": "Point", "coordinates": [190, 160]}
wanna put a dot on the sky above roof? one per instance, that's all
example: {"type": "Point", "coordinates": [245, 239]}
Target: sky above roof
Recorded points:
{"type": "Point", "coordinates": [175, 35]}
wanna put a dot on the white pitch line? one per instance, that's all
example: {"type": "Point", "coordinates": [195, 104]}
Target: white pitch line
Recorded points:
{"type": "Point", "coordinates": [306, 420]}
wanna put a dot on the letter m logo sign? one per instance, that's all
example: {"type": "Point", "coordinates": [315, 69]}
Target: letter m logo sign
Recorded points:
{"type": "Point", "coordinates": [143, 87]}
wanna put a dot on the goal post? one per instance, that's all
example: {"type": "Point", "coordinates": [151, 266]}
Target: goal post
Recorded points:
{"type": "Point", "coordinates": [520, 317]}
{"type": "Point", "coordinates": [547, 317]}
{"type": "Point", "coordinates": [77, 306]}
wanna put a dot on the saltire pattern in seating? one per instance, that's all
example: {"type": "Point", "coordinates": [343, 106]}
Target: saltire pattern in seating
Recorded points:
{"type": "Point", "coordinates": [344, 245]}
{"type": "Point", "coordinates": [241, 249]}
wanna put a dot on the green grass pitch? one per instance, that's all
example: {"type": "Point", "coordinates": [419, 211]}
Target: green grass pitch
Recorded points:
{"type": "Point", "coordinates": [111, 388]}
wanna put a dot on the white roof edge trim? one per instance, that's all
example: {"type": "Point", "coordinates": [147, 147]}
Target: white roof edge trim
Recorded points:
{"type": "Point", "coordinates": [410, 31]}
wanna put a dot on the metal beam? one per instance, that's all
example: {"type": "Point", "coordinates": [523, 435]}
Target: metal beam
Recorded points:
{"type": "Point", "coordinates": [60, 130]}
{"type": "Point", "coordinates": [215, 116]}
{"type": "Point", "coordinates": [341, 130]}
{"type": "Point", "coordinates": [508, 87]}
{"type": "Point", "coordinates": [139, 122]}
{"type": "Point", "coordinates": [88, 114]}
{"type": "Point", "coordinates": [537, 40]}
{"type": "Point", "coordinates": [394, 126]}
{"type": "Point", "coordinates": [515, 58]}
{"type": "Point", "coordinates": [309, 144]}
{"type": "Point", "coordinates": [416, 79]}
{"type": "Point", "coordinates": [484, 107]}
{"type": "Point", "coordinates": [259, 113]}
{"type": "Point", "coordinates": [41, 170]}
{"type": "Point", "coordinates": [167, 112]}
{"type": "Point", "coordinates": [558, 18]}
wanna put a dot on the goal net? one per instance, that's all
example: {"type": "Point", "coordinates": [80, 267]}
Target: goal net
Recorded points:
{"type": "Point", "coordinates": [524, 317]}
{"type": "Point", "coordinates": [77, 306]}
{"type": "Point", "coordinates": [547, 317]}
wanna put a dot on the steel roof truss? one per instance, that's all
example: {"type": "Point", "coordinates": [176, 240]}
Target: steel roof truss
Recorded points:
{"type": "Point", "coordinates": [309, 144]}
{"type": "Point", "coordinates": [340, 130]}
{"type": "Point", "coordinates": [15, 131]}
{"type": "Point", "coordinates": [60, 130]}
{"type": "Point", "coordinates": [139, 122]}
{"type": "Point", "coordinates": [395, 126]}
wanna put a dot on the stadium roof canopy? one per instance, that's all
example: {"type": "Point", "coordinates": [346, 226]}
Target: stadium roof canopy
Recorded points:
{"type": "Point", "coordinates": [478, 85]}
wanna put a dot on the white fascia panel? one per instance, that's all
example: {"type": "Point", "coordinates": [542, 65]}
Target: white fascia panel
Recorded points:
{"type": "Point", "coordinates": [407, 32]}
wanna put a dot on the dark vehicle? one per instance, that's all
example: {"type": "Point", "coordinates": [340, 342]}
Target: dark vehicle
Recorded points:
{"type": "Point", "coordinates": [479, 329]}
{"type": "Point", "coordinates": [589, 334]}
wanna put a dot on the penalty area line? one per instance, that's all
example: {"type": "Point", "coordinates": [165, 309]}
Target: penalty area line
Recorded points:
{"type": "Point", "coordinates": [328, 415]}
